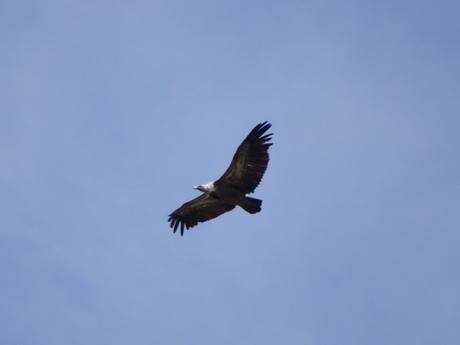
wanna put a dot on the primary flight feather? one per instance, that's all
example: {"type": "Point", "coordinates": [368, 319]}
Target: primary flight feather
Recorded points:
{"type": "Point", "coordinates": [242, 177]}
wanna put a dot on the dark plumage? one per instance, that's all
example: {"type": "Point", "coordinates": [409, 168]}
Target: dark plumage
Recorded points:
{"type": "Point", "coordinates": [242, 177]}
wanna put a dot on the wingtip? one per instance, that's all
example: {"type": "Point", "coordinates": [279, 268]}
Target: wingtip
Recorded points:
{"type": "Point", "coordinates": [259, 130]}
{"type": "Point", "coordinates": [263, 127]}
{"type": "Point", "coordinates": [178, 225]}
{"type": "Point", "coordinates": [266, 124]}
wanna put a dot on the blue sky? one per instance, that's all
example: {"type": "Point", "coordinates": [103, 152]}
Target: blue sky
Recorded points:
{"type": "Point", "coordinates": [110, 111]}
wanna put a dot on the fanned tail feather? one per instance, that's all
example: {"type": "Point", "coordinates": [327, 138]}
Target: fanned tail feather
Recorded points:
{"type": "Point", "coordinates": [251, 205]}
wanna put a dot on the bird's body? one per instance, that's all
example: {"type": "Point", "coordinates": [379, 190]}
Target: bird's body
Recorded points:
{"type": "Point", "coordinates": [242, 177]}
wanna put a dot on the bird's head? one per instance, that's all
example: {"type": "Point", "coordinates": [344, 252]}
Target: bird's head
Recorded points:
{"type": "Point", "coordinates": [200, 188]}
{"type": "Point", "coordinates": [205, 188]}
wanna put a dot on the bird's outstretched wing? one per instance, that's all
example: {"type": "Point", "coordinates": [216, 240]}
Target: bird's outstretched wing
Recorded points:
{"type": "Point", "coordinates": [249, 161]}
{"type": "Point", "coordinates": [197, 210]}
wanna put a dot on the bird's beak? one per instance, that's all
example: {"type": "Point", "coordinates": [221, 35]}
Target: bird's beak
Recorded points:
{"type": "Point", "coordinates": [196, 187]}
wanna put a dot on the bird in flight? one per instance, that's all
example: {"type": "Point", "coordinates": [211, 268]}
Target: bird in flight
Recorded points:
{"type": "Point", "coordinates": [241, 177]}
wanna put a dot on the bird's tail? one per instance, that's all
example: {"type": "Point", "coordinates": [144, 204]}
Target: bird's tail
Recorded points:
{"type": "Point", "coordinates": [251, 205]}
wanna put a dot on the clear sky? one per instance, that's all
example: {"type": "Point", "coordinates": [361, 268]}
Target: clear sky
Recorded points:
{"type": "Point", "coordinates": [110, 111]}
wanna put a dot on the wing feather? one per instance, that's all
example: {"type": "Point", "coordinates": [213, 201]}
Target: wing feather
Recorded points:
{"type": "Point", "coordinates": [249, 161]}
{"type": "Point", "coordinates": [197, 210]}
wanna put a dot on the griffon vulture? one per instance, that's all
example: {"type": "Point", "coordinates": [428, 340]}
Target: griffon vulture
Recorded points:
{"type": "Point", "coordinates": [242, 177]}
